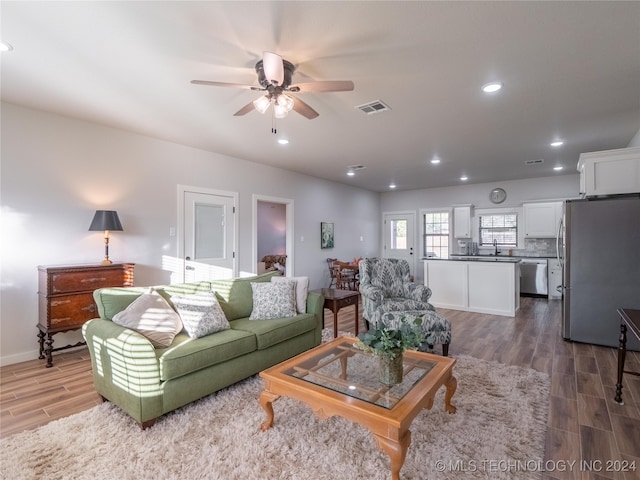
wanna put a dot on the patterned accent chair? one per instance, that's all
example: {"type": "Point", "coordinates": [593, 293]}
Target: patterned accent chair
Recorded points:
{"type": "Point", "coordinates": [385, 287]}
{"type": "Point", "coordinates": [385, 284]}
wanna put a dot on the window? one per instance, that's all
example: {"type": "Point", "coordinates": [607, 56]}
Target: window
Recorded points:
{"type": "Point", "coordinates": [500, 227]}
{"type": "Point", "coordinates": [436, 235]}
{"type": "Point", "coordinates": [398, 234]}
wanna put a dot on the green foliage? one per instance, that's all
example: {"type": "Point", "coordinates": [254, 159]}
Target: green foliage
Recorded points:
{"type": "Point", "coordinates": [392, 342]}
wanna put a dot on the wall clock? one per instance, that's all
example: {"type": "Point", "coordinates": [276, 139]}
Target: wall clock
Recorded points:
{"type": "Point", "coordinates": [497, 195]}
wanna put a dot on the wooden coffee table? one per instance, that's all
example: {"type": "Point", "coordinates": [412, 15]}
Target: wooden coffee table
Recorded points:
{"type": "Point", "coordinates": [337, 379]}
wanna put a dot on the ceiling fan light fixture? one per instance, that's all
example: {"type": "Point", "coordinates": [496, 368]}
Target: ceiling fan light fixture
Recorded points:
{"type": "Point", "coordinates": [286, 102]}
{"type": "Point", "coordinates": [279, 111]}
{"type": "Point", "coordinates": [261, 104]}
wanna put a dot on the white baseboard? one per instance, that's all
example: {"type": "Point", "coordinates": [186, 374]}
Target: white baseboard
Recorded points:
{"type": "Point", "coordinates": [31, 355]}
{"type": "Point", "coordinates": [19, 357]}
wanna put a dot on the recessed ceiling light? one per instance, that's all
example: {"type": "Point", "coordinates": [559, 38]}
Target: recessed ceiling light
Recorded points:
{"type": "Point", "coordinates": [557, 143]}
{"type": "Point", "coordinates": [464, 178]}
{"type": "Point", "coordinates": [492, 87]}
{"type": "Point", "coordinates": [435, 161]}
{"type": "Point", "coordinates": [393, 185]}
{"type": "Point", "coordinates": [283, 141]}
{"type": "Point", "coordinates": [5, 47]}
{"type": "Point", "coordinates": [558, 168]}
{"type": "Point", "coordinates": [351, 173]}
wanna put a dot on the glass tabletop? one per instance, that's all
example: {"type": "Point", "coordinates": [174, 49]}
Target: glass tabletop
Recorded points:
{"type": "Point", "coordinates": [350, 371]}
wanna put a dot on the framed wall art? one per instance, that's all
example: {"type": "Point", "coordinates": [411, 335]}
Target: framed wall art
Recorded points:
{"type": "Point", "coordinates": [326, 235]}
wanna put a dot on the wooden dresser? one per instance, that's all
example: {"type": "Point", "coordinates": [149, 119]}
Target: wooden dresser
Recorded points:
{"type": "Point", "coordinates": [65, 298]}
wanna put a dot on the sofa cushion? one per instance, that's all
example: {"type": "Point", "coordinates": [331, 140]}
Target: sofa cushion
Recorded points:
{"type": "Point", "coordinates": [151, 316]}
{"type": "Point", "coordinates": [272, 332]}
{"type": "Point", "coordinates": [302, 289]}
{"type": "Point", "coordinates": [273, 300]}
{"type": "Point", "coordinates": [200, 313]}
{"type": "Point", "coordinates": [235, 295]}
{"type": "Point", "coordinates": [115, 299]}
{"type": "Point", "coordinates": [186, 355]}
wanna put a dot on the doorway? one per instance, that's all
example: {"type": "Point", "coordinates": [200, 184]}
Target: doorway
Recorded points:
{"type": "Point", "coordinates": [208, 232]}
{"type": "Point", "coordinates": [273, 231]}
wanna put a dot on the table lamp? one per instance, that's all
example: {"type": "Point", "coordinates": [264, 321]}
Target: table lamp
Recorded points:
{"type": "Point", "coordinates": [106, 220]}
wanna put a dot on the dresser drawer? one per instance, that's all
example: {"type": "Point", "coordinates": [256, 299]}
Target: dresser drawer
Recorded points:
{"type": "Point", "coordinates": [86, 280]}
{"type": "Point", "coordinates": [69, 311]}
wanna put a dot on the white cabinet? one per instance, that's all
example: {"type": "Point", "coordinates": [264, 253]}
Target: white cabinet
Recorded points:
{"type": "Point", "coordinates": [485, 287]}
{"type": "Point", "coordinates": [494, 288]}
{"type": "Point", "coordinates": [610, 172]}
{"type": "Point", "coordinates": [554, 278]}
{"type": "Point", "coordinates": [448, 283]}
{"type": "Point", "coordinates": [541, 220]}
{"type": "Point", "coordinates": [462, 221]}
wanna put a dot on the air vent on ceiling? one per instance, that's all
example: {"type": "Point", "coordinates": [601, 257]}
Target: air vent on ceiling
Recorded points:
{"type": "Point", "coordinates": [356, 167]}
{"type": "Point", "coordinates": [534, 162]}
{"type": "Point", "coordinates": [377, 106]}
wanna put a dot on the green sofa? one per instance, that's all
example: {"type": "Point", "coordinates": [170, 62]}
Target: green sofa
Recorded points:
{"type": "Point", "coordinates": [147, 382]}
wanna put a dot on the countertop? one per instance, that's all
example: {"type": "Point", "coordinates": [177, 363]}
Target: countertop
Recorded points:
{"type": "Point", "coordinates": [477, 258]}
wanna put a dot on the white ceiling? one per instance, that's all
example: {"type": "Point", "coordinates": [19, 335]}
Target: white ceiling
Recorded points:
{"type": "Point", "coordinates": [571, 70]}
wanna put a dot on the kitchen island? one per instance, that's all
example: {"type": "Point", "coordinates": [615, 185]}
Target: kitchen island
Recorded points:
{"type": "Point", "coordinates": [483, 284]}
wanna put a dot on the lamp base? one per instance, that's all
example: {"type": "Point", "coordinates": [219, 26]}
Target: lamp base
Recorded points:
{"type": "Point", "coordinates": [106, 261]}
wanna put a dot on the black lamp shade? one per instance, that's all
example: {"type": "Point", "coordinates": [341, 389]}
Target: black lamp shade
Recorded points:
{"type": "Point", "coordinates": [105, 220]}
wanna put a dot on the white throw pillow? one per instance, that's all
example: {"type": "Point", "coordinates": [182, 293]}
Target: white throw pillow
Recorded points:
{"type": "Point", "coordinates": [302, 289]}
{"type": "Point", "coordinates": [151, 316]}
{"type": "Point", "coordinates": [273, 300]}
{"type": "Point", "coordinates": [201, 314]}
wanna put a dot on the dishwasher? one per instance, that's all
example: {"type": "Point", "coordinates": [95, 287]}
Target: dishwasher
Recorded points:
{"type": "Point", "coordinates": [533, 276]}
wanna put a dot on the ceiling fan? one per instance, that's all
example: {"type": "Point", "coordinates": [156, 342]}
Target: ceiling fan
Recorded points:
{"type": "Point", "coordinates": [274, 77]}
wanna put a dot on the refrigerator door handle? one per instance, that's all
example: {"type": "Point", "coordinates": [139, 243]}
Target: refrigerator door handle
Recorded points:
{"type": "Point", "coordinates": [558, 246]}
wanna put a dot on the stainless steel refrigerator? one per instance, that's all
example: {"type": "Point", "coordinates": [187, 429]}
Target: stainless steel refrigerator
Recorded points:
{"type": "Point", "coordinates": [599, 247]}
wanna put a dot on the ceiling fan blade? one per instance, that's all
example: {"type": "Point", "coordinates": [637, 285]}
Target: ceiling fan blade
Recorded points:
{"type": "Point", "coordinates": [222, 84]}
{"type": "Point", "coordinates": [323, 86]}
{"type": "Point", "coordinates": [304, 109]}
{"type": "Point", "coordinates": [273, 68]}
{"type": "Point", "coordinates": [244, 110]}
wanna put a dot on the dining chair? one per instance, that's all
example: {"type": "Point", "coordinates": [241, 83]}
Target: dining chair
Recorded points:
{"type": "Point", "coordinates": [333, 274]}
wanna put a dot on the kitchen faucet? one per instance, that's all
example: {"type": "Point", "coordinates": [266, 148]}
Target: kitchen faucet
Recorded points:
{"type": "Point", "coordinates": [495, 245]}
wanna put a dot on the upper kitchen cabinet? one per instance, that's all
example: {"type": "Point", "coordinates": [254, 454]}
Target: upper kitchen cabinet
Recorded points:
{"type": "Point", "coordinates": [541, 220]}
{"type": "Point", "coordinates": [610, 172]}
{"type": "Point", "coordinates": [462, 221]}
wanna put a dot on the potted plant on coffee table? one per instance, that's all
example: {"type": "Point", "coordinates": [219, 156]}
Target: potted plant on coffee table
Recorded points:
{"type": "Point", "coordinates": [389, 343]}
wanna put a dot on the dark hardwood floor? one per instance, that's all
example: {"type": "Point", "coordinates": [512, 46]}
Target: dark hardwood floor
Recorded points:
{"type": "Point", "coordinates": [585, 425]}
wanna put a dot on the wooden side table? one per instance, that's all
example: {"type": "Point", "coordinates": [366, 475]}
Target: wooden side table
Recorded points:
{"type": "Point", "coordinates": [65, 298]}
{"type": "Point", "coordinates": [630, 321]}
{"type": "Point", "coordinates": [335, 299]}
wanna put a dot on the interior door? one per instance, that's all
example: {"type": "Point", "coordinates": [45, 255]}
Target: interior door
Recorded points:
{"type": "Point", "coordinates": [399, 237]}
{"type": "Point", "coordinates": [209, 232]}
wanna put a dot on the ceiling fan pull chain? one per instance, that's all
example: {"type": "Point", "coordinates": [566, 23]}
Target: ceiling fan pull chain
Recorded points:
{"type": "Point", "coordinates": [274, 128]}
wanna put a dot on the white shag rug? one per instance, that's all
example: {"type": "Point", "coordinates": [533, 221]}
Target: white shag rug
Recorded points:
{"type": "Point", "coordinates": [498, 432]}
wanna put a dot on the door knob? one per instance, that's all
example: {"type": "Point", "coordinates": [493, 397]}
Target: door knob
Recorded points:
{"type": "Point", "coordinates": [188, 267]}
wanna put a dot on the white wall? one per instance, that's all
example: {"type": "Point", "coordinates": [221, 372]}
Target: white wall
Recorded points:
{"type": "Point", "coordinates": [56, 171]}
